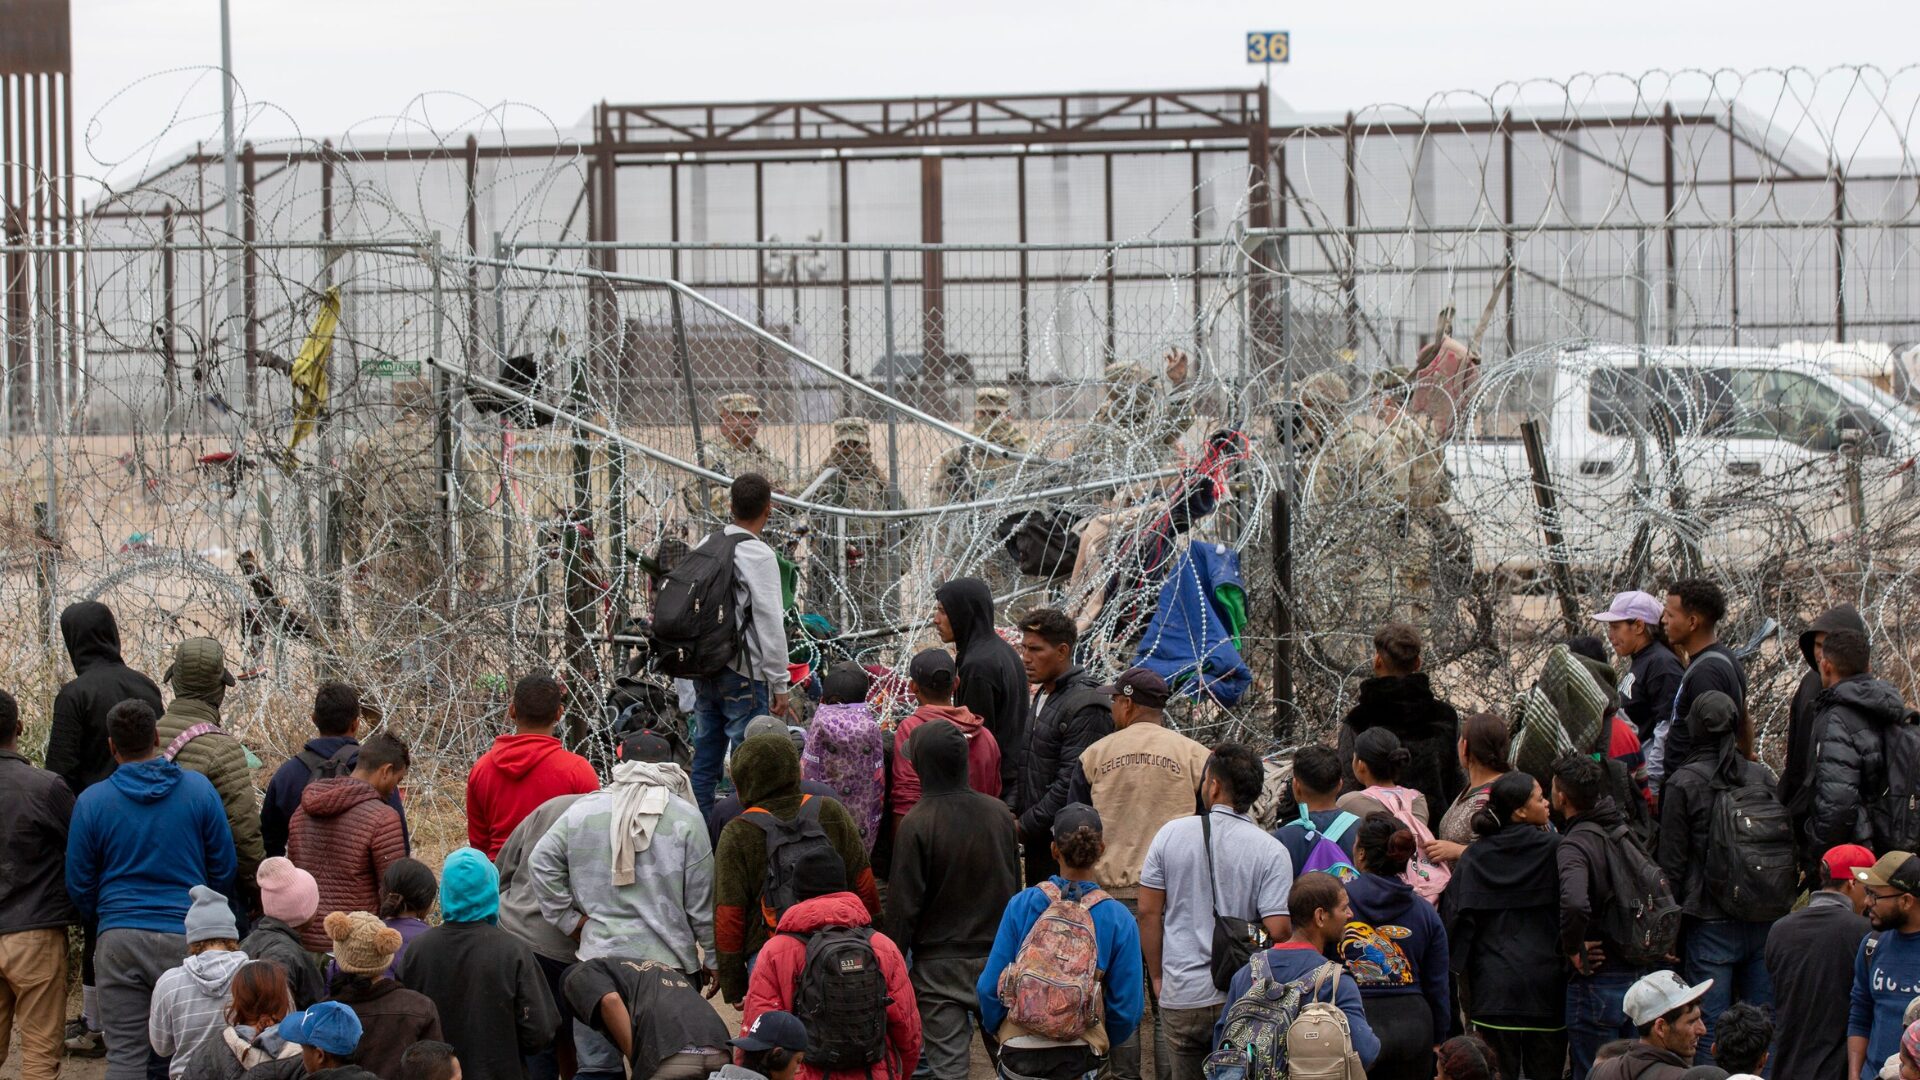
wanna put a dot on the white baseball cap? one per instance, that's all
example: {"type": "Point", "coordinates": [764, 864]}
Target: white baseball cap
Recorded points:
{"type": "Point", "coordinates": [1658, 994]}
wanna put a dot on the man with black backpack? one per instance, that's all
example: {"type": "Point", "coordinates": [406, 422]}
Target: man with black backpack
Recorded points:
{"type": "Point", "coordinates": [1618, 919]}
{"type": "Point", "coordinates": [336, 716]}
{"type": "Point", "coordinates": [1860, 725]}
{"type": "Point", "coordinates": [846, 981]}
{"type": "Point", "coordinates": [1691, 620]}
{"type": "Point", "coordinates": [718, 621]}
{"type": "Point", "coordinates": [1726, 843]}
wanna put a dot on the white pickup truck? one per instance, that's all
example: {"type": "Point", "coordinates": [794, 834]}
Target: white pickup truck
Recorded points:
{"type": "Point", "coordinates": [1753, 448]}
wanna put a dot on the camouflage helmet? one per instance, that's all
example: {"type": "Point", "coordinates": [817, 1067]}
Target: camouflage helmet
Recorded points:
{"type": "Point", "coordinates": [1323, 392]}
{"type": "Point", "coordinates": [737, 405]}
{"type": "Point", "coordinates": [1125, 373]}
{"type": "Point", "coordinates": [852, 429]}
{"type": "Point", "coordinates": [1393, 382]}
{"type": "Point", "coordinates": [992, 399]}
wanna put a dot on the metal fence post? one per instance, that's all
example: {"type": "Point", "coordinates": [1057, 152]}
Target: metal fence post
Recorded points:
{"type": "Point", "coordinates": [49, 522]}
{"type": "Point", "coordinates": [442, 389]}
{"type": "Point", "coordinates": [893, 367]}
{"type": "Point", "coordinates": [505, 500]}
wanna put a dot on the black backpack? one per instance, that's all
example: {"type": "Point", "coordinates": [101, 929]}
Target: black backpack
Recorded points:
{"type": "Point", "coordinates": [1639, 912]}
{"type": "Point", "coordinates": [696, 631]}
{"type": "Point", "coordinates": [842, 998]}
{"type": "Point", "coordinates": [1750, 859]}
{"type": "Point", "coordinates": [1895, 811]}
{"type": "Point", "coordinates": [1042, 543]}
{"type": "Point", "coordinates": [339, 764]}
{"type": "Point", "coordinates": [788, 842]}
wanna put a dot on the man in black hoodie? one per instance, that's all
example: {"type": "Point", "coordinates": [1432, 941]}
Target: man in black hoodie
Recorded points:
{"type": "Point", "coordinates": [1400, 698]}
{"type": "Point", "coordinates": [1723, 944]}
{"type": "Point", "coordinates": [956, 864]}
{"type": "Point", "coordinates": [1796, 778]}
{"type": "Point", "coordinates": [1597, 985]}
{"type": "Point", "coordinates": [1851, 717]}
{"type": "Point", "coordinates": [1070, 712]}
{"type": "Point", "coordinates": [993, 683]}
{"type": "Point", "coordinates": [77, 748]}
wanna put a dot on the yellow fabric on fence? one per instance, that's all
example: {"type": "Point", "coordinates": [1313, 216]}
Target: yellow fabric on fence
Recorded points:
{"type": "Point", "coordinates": [310, 373]}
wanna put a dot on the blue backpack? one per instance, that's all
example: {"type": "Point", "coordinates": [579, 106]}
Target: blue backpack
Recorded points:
{"type": "Point", "coordinates": [1324, 852]}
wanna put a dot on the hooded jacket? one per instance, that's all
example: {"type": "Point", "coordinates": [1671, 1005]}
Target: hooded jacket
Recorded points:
{"type": "Point", "coordinates": [1686, 802]}
{"type": "Point", "coordinates": [290, 781]}
{"type": "Point", "coordinates": [1642, 1061]}
{"type": "Point", "coordinates": [346, 838]}
{"type": "Point", "coordinates": [189, 1006]}
{"type": "Point", "coordinates": [1584, 890]}
{"type": "Point", "coordinates": [199, 680]}
{"type": "Point", "coordinates": [1850, 723]}
{"type": "Point", "coordinates": [1396, 944]}
{"type": "Point", "coordinates": [776, 979]}
{"type": "Point", "coordinates": [513, 778]}
{"type": "Point", "coordinates": [1796, 779]}
{"type": "Point", "coordinates": [494, 1002]}
{"type": "Point", "coordinates": [766, 769]}
{"type": "Point", "coordinates": [993, 682]}
{"type": "Point", "coordinates": [392, 1018]}
{"type": "Point", "coordinates": [1069, 718]}
{"type": "Point", "coordinates": [271, 939]}
{"type": "Point", "coordinates": [519, 902]}
{"type": "Point", "coordinates": [846, 750]}
{"type": "Point", "coordinates": [1502, 914]}
{"type": "Point", "coordinates": [140, 840]}
{"type": "Point", "coordinates": [77, 743]}
{"type": "Point", "coordinates": [35, 809]}
{"type": "Point", "coordinates": [239, 1048]}
{"type": "Point", "coordinates": [1428, 727]}
{"type": "Point", "coordinates": [983, 755]}
{"type": "Point", "coordinates": [956, 856]}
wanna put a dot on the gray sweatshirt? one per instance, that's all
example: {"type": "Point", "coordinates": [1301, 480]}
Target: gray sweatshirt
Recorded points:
{"type": "Point", "coordinates": [665, 915]}
{"type": "Point", "coordinates": [189, 1006]}
{"type": "Point", "coordinates": [756, 590]}
{"type": "Point", "coordinates": [519, 906]}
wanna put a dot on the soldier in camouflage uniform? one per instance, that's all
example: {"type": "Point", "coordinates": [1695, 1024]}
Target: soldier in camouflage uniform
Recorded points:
{"type": "Point", "coordinates": [970, 472]}
{"type": "Point", "coordinates": [734, 453]}
{"type": "Point", "coordinates": [1384, 472]}
{"type": "Point", "coordinates": [856, 591]}
{"type": "Point", "coordinates": [1142, 418]}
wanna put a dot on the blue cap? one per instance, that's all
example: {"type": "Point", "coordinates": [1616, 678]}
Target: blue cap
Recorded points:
{"type": "Point", "coordinates": [771, 1029]}
{"type": "Point", "coordinates": [328, 1026]}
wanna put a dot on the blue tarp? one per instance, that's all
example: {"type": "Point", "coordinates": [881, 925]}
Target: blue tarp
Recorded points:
{"type": "Point", "coordinates": [1189, 642]}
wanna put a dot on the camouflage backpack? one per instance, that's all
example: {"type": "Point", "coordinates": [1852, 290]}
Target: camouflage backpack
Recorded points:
{"type": "Point", "coordinates": [1052, 988]}
{"type": "Point", "coordinates": [1285, 1031]}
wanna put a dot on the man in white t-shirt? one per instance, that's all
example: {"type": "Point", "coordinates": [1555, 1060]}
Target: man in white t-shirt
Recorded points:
{"type": "Point", "coordinates": [1244, 874]}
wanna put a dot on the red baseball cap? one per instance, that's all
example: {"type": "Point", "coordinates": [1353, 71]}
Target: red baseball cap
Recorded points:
{"type": "Point", "coordinates": [1843, 860]}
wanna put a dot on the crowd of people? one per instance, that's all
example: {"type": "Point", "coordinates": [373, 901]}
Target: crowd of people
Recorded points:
{"type": "Point", "coordinates": [1031, 857]}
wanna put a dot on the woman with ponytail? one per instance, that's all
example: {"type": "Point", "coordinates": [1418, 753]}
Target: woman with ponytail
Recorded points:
{"type": "Point", "coordinates": [1396, 950]}
{"type": "Point", "coordinates": [1502, 912]}
{"type": "Point", "coordinates": [1378, 762]}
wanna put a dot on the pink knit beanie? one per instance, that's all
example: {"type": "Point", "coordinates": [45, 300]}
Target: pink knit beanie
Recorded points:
{"type": "Point", "coordinates": [287, 892]}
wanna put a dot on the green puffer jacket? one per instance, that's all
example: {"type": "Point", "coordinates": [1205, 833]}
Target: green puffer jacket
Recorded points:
{"type": "Point", "coordinates": [199, 681]}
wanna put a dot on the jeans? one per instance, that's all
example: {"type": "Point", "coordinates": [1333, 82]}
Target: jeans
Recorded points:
{"type": "Point", "coordinates": [33, 994]}
{"type": "Point", "coordinates": [1733, 955]}
{"type": "Point", "coordinates": [1596, 1016]}
{"type": "Point", "coordinates": [128, 963]}
{"type": "Point", "coordinates": [943, 989]}
{"type": "Point", "coordinates": [721, 708]}
{"type": "Point", "coordinates": [1189, 1039]}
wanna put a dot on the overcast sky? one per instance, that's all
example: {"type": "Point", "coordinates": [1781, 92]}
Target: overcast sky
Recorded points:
{"type": "Point", "coordinates": [146, 85]}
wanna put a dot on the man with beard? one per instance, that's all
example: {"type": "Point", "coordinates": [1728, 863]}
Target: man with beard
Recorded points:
{"type": "Point", "coordinates": [1886, 971]}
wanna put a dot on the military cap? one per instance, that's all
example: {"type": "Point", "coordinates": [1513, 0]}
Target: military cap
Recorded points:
{"type": "Point", "coordinates": [1126, 371]}
{"type": "Point", "coordinates": [851, 429]}
{"type": "Point", "coordinates": [738, 404]}
{"type": "Point", "coordinates": [994, 399]}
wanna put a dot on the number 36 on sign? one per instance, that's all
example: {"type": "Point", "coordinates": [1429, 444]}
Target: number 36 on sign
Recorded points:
{"type": "Point", "coordinates": [1267, 46]}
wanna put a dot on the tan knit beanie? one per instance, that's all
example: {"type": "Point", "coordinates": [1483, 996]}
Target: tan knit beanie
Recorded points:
{"type": "Point", "coordinates": [362, 944]}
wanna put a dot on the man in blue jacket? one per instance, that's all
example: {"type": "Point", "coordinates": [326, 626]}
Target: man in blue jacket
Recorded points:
{"type": "Point", "coordinates": [336, 716]}
{"type": "Point", "coordinates": [138, 842]}
{"type": "Point", "coordinates": [1886, 971]}
{"type": "Point", "coordinates": [1320, 910]}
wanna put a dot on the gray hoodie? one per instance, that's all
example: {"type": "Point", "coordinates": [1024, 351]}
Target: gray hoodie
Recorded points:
{"type": "Point", "coordinates": [190, 1006]}
{"type": "Point", "coordinates": [519, 903]}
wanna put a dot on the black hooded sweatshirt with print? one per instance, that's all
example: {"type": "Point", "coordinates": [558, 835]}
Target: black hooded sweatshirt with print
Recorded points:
{"type": "Point", "coordinates": [77, 743]}
{"type": "Point", "coordinates": [956, 858]}
{"type": "Point", "coordinates": [993, 682]}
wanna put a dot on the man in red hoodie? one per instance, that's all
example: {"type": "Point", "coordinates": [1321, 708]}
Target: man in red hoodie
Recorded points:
{"type": "Point", "coordinates": [852, 1002]}
{"type": "Point", "coordinates": [932, 676]}
{"type": "Point", "coordinates": [523, 769]}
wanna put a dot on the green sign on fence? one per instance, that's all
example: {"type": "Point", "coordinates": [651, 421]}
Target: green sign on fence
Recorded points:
{"type": "Point", "coordinates": [389, 368]}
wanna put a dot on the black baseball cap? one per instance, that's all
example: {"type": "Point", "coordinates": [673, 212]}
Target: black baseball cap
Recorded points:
{"type": "Point", "coordinates": [929, 665]}
{"type": "Point", "coordinates": [1072, 817]}
{"type": "Point", "coordinates": [773, 1029]}
{"type": "Point", "coordinates": [1142, 687]}
{"type": "Point", "coordinates": [644, 746]}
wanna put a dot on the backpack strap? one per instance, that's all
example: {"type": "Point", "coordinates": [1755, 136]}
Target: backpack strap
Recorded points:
{"type": "Point", "coordinates": [1093, 896]}
{"type": "Point", "coordinates": [311, 760]}
{"type": "Point", "coordinates": [1339, 827]}
{"type": "Point", "coordinates": [1050, 891]}
{"type": "Point", "coordinates": [181, 740]}
{"type": "Point", "coordinates": [1327, 971]}
{"type": "Point", "coordinates": [1261, 967]}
